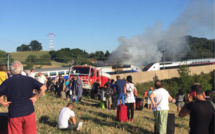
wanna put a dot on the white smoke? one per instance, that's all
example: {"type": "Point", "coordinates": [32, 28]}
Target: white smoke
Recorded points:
{"type": "Point", "coordinates": [198, 18]}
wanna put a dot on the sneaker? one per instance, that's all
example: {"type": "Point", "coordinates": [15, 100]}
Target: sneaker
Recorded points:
{"type": "Point", "coordinates": [79, 126]}
{"type": "Point", "coordinates": [131, 120]}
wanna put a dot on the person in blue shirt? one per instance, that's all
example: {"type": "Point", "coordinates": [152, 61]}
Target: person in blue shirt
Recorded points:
{"type": "Point", "coordinates": [19, 92]}
{"type": "Point", "coordinates": [119, 85]}
{"type": "Point", "coordinates": [149, 103]}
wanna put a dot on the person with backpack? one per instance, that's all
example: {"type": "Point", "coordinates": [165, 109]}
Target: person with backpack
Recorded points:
{"type": "Point", "coordinates": [180, 98]}
{"type": "Point", "coordinates": [130, 92]}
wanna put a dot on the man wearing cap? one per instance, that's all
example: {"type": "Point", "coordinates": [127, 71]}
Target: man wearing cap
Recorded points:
{"type": "Point", "coordinates": [200, 110]}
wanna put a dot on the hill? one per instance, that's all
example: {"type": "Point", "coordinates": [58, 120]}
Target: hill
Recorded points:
{"type": "Point", "coordinates": [21, 56]}
{"type": "Point", "coordinates": [96, 120]}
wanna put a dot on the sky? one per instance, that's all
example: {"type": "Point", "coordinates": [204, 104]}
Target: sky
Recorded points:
{"type": "Point", "coordinates": [90, 25]}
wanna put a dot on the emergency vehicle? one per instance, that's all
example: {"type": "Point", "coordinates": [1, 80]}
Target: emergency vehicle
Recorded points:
{"type": "Point", "coordinates": [89, 75]}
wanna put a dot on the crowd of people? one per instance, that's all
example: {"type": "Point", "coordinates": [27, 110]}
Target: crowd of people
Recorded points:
{"type": "Point", "coordinates": [20, 92]}
{"type": "Point", "coordinates": [23, 89]}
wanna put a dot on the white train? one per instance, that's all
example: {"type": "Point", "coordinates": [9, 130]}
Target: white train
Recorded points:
{"type": "Point", "coordinates": [176, 64]}
{"type": "Point", "coordinates": [53, 72]}
{"type": "Point", "coordinates": [120, 69]}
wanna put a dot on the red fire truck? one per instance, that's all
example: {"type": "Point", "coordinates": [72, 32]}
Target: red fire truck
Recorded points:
{"type": "Point", "coordinates": [89, 75]}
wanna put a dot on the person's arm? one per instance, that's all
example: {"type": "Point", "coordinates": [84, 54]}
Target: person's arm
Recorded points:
{"type": "Point", "coordinates": [152, 96]}
{"type": "Point", "coordinates": [125, 89]}
{"type": "Point", "coordinates": [170, 98]}
{"type": "Point", "coordinates": [6, 104]}
{"type": "Point", "coordinates": [72, 118]}
{"type": "Point", "coordinates": [184, 112]}
{"type": "Point", "coordinates": [186, 108]}
{"type": "Point", "coordinates": [6, 76]}
{"type": "Point", "coordinates": [3, 88]}
{"type": "Point", "coordinates": [39, 93]}
{"type": "Point", "coordinates": [135, 92]}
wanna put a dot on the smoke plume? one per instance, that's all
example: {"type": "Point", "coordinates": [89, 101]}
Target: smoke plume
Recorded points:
{"type": "Point", "coordinates": [197, 20]}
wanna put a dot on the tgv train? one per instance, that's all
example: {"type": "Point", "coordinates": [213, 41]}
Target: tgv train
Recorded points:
{"type": "Point", "coordinates": [176, 64]}
{"type": "Point", "coordinates": [120, 69]}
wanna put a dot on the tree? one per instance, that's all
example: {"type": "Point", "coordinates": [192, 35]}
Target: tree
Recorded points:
{"type": "Point", "coordinates": [31, 59]}
{"type": "Point", "coordinates": [23, 47]}
{"type": "Point", "coordinates": [35, 45]}
{"type": "Point", "coordinates": [45, 59]}
{"type": "Point", "coordinates": [107, 53]}
{"type": "Point", "coordinates": [184, 79]}
{"type": "Point", "coordinates": [3, 57]}
{"type": "Point", "coordinates": [100, 55]}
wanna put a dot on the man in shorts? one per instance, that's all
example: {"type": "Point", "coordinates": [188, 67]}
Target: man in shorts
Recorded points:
{"type": "Point", "coordinates": [19, 92]}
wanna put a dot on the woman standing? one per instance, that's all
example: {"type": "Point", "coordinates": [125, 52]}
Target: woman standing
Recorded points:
{"type": "Point", "coordinates": [130, 92]}
{"type": "Point", "coordinates": [180, 97]}
{"type": "Point", "coordinates": [78, 88]}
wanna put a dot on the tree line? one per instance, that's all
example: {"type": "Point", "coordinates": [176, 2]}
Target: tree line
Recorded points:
{"type": "Point", "coordinates": [33, 46]}
{"type": "Point", "coordinates": [184, 82]}
{"type": "Point", "coordinates": [77, 56]}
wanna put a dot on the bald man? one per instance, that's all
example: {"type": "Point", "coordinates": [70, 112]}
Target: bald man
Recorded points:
{"type": "Point", "coordinates": [160, 101]}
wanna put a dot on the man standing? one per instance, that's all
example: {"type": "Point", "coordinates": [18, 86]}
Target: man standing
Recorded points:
{"type": "Point", "coordinates": [119, 85]}
{"type": "Point", "coordinates": [201, 112]}
{"type": "Point", "coordinates": [95, 89]}
{"type": "Point", "coordinates": [160, 100]}
{"type": "Point", "coordinates": [65, 115]}
{"type": "Point", "coordinates": [41, 78]}
{"type": "Point", "coordinates": [19, 91]}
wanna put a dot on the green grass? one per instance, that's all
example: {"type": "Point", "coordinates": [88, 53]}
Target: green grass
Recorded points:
{"type": "Point", "coordinates": [21, 56]}
{"type": "Point", "coordinates": [96, 120]}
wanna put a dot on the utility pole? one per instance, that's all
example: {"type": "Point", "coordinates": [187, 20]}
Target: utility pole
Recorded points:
{"type": "Point", "coordinates": [51, 44]}
{"type": "Point", "coordinates": [163, 52]}
{"type": "Point", "coordinates": [8, 62]}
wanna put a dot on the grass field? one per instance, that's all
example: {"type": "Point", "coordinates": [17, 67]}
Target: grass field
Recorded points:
{"type": "Point", "coordinates": [96, 120]}
{"type": "Point", "coordinates": [21, 56]}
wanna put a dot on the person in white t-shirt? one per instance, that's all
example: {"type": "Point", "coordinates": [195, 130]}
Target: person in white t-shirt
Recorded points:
{"type": "Point", "coordinates": [130, 91]}
{"type": "Point", "coordinates": [65, 115]}
{"type": "Point", "coordinates": [32, 73]}
{"type": "Point", "coordinates": [160, 101]}
{"type": "Point", "coordinates": [41, 78]}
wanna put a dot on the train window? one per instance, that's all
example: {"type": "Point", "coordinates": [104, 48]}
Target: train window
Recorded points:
{"type": "Point", "coordinates": [67, 72]}
{"type": "Point", "coordinates": [61, 72]}
{"type": "Point", "coordinates": [53, 73]}
{"type": "Point", "coordinates": [46, 74]}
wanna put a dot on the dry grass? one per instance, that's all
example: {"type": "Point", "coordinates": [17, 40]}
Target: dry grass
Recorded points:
{"type": "Point", "coordinates": [96, 120]}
